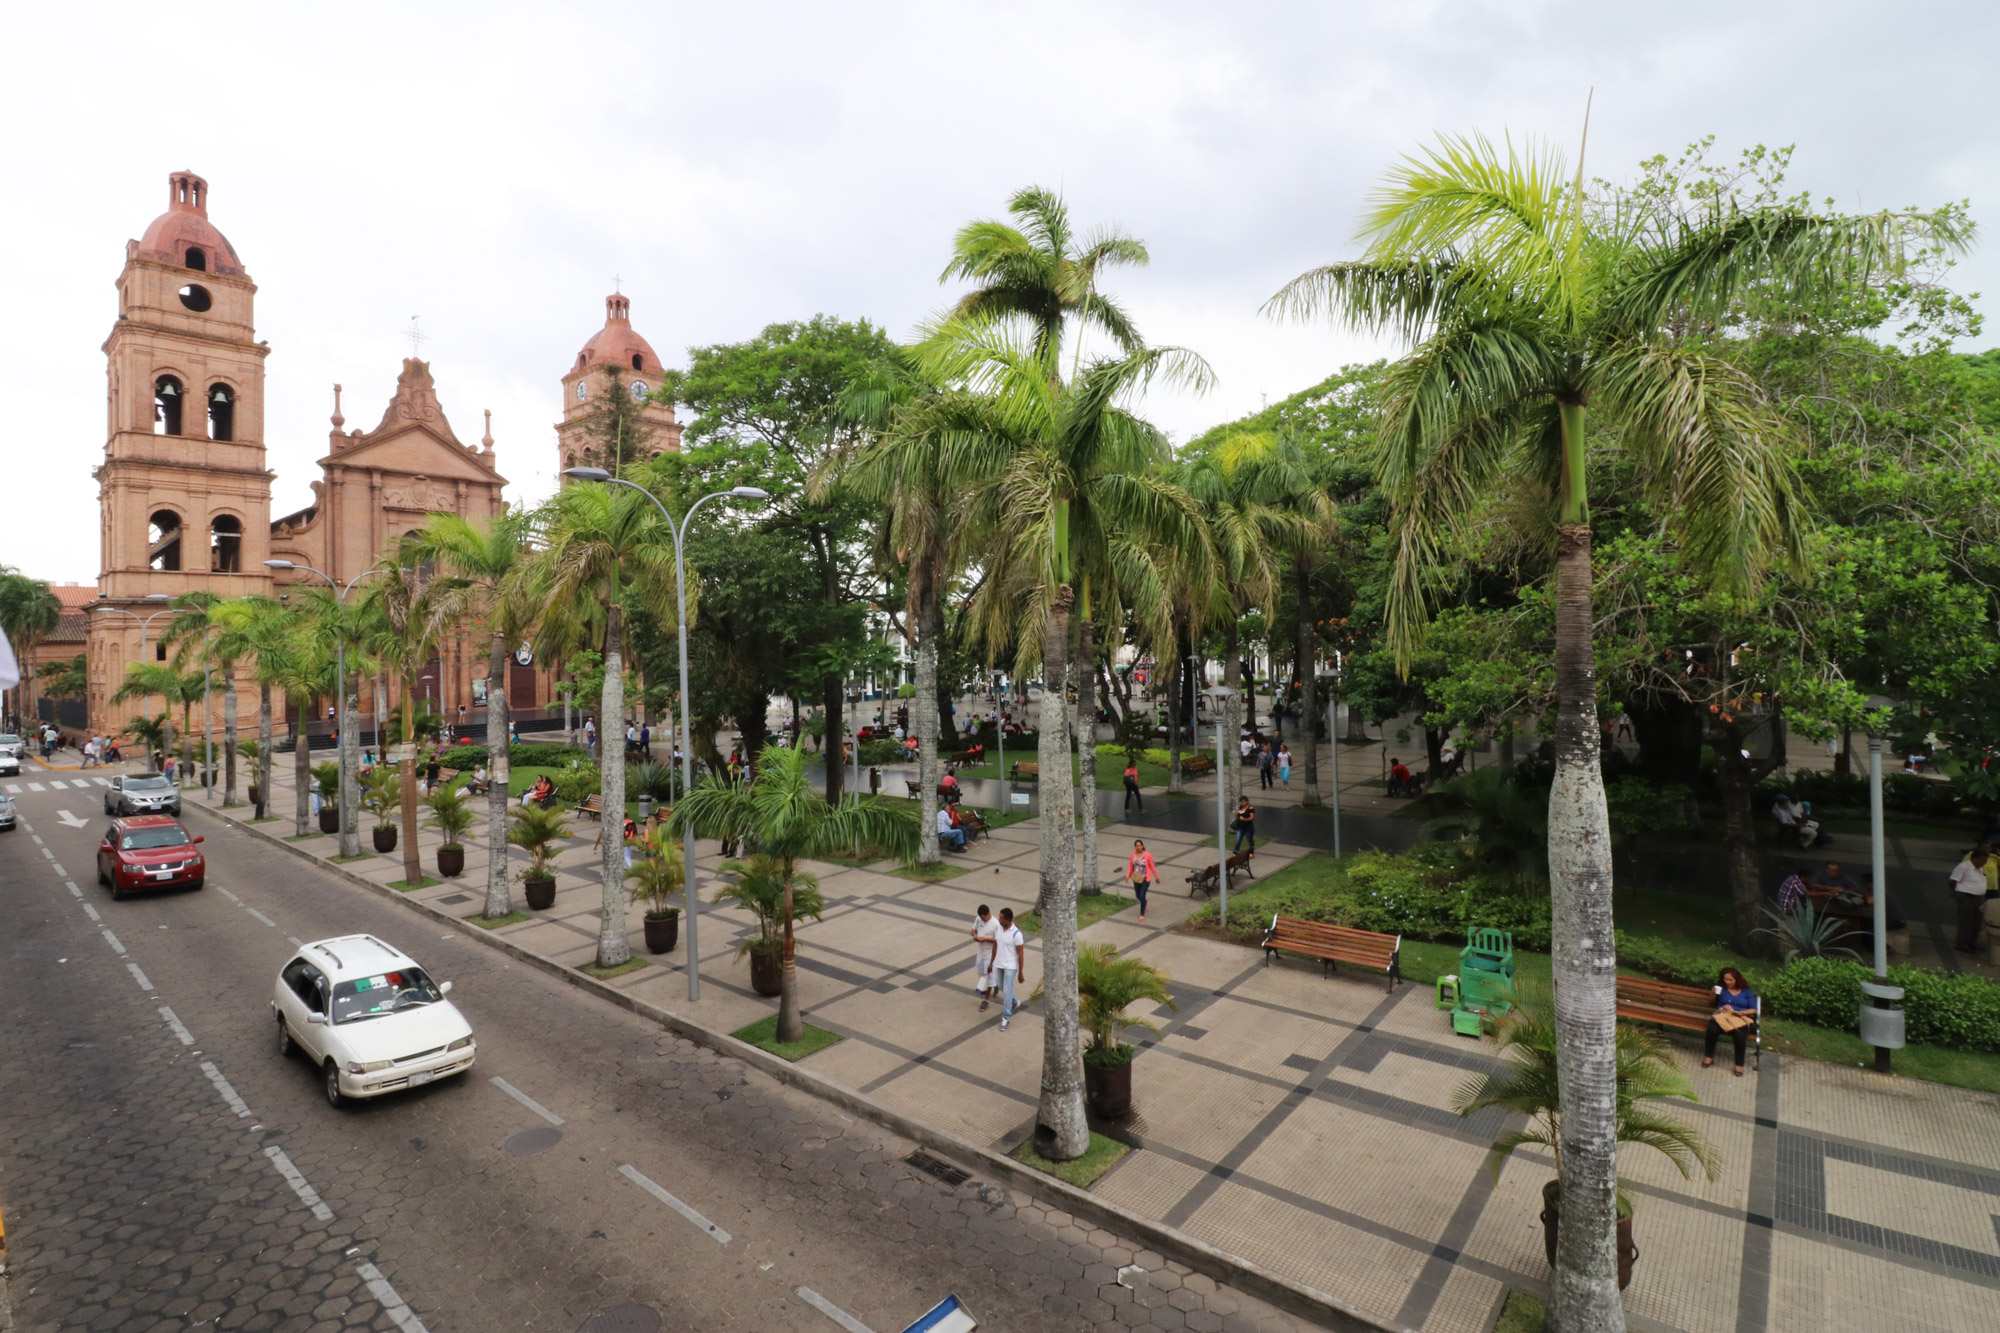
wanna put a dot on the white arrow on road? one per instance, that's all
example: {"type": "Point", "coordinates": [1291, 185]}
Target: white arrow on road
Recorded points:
{"type": "Point", "coordinates": [72, 821]}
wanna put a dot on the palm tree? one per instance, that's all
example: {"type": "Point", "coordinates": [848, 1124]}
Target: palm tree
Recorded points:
{"type": "Point", "coordinates": [152, 732]}
{"type": "Point", "coordinates": [600, 539]}
{"type": "Point", "coordinates": [28, 610]}
{"type": "Point", "coordinates": [393, 624]}
{"type": "Point", "coordinates": [483, 570]}
{"type": "Point", "coordinates": [298, 664]}
{"type": "Point", "coordinates": [1528, 307]}
{"type": "Point", "coordinates": [261, 632]}
{"type": "Point", "coordinates": [355, 625]}
{"type": "Point", "coordinates": [145, 679]}
{"type": "Point", "coordinates": [777, 813]}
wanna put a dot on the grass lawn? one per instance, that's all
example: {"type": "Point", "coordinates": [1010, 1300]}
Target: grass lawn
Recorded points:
{"type": "Point", "coordinates": [1101, 1156]}
{"type": "Point", "coordinates": [1110, 767]}
{"type": "Point", "coordinates": [606, 973]}
{"type": "Point", "coordinates": [404, 886]}
{"type": "Point", "coordinates": [303, 837]}
{"type": "Point", "coordinates": [267, 819]}
{"type": "Point", "coordinates": [495, 922]}
{"type": "Point", "coordinates": [1523, 1314]}
{"type": "Point", "coordinates": [1685, 923]}
{"type": "Point", "coordinates": [1091, 908]}
{"type": "Point", "coordinates": [763, 1035]}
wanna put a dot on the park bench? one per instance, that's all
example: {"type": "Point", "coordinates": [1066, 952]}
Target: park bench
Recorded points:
{"type": "Point", "coordinates": [1643, 1000]}
{"type": "Point", "coordinates": [1025, 768]}
{"type": "Point", "coordinates": [1335, 944]}
{"type": "Point", "coordinates": [973, 823]}
{"type": "Point", "coordinates": [966, 759]}
{"type": "Point", "coordinates": [916, 788]}
{"type": "Point", "coordinates": [1197, 763]}
{"type": "Point", "coordinates": [1204, 879]}
{"type": "Point", "coordinates": [592, 805]}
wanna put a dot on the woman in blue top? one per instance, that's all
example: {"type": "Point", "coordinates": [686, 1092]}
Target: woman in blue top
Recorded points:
{"type": "Point", "coordinates": [1732, 995]}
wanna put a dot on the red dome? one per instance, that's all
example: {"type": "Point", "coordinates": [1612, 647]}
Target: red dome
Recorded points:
{"type": "Point", "coordinates": [185, 227]}
{"type": "Point", "coordinates": [616, 344]}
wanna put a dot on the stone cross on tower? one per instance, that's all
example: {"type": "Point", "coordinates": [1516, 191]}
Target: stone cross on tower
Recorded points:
{"type": "Point", "coordinates": [417, 338]}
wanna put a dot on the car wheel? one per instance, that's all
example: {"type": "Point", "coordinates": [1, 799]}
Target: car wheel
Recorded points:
{"type": "Point", "coordinates": [116, 892]}
{"type": "Point", "coordinates": [285, 1043]}
{"type": "Point", "coordinates": [334, 1097]}
{"type": "Point", "coordinates": [101, 880]}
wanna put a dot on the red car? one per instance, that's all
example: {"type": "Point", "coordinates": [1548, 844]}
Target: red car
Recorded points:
{"type": "Point", "coordinates": [149, 852]}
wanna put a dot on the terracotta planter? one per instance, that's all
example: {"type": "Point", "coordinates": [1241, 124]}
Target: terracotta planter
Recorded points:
{"type": "Point", "coordinates": [451, 861]}
{"type": "Point", "coordinates": [1628, 1253]}
{"type": "Point", "coordinates": [541, 893]}
{"type": "Point", "coordinates": [662, 932]}
{"type": "Point", "coordinates": [767, 973]}
{"type": "Point", "coordinates": [1108, 1089]}
{"type": "Point", "coordinates": [329, 819]}
{"type": "Point", "coordinates": [385, 838]}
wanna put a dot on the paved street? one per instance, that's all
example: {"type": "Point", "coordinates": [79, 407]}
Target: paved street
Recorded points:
{"type": "Point", "coordinates": [163, 1168]}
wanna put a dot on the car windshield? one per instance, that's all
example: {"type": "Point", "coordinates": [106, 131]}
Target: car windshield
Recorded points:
{"type": "Point", "coordinates": [373, 997]}
{"type": "Point", "coordinates": [146, 839]}
{"type": "Point", "coordinates": [149, 783]}
{"type": "Point", "coordinates": [9, 738]}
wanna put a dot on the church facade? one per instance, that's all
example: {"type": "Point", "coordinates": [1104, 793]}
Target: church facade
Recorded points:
{"type": "Point", "coordinates": [184, 488]}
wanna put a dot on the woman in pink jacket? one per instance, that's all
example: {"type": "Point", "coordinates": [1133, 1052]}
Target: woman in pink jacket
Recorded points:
{"type": "Point", "coordinates": [1140, 872]}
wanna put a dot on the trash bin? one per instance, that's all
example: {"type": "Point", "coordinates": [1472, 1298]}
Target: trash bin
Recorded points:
{"type": "Point", "coordinates": [645, 808]}
{"type": "Point", "coordinates": [1882, 1015]}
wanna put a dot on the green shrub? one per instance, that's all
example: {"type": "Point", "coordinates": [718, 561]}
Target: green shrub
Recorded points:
{"type": "Point", "coordinates": [1823, 991]}
{"type": "Point", "coordinates": [1637, 806]}
{"type": "Point", "coordinates": [543, 754]}
{"type": "Point", "coordinates": [1902, 793]}
{"type": "Point", "coordinates": [876, 752]}
{"type": "Point", "coordinates": [1429, 893]}
{"type": "Point", "coordinates": [467, 757]}
{"type": "Point", "coordinates": [1939, 1009]}
{"type": "Point", "coordinates": [573, 784]}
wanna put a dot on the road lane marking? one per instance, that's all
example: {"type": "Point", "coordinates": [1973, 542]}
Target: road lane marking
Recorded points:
{"type": "Point", "coordinates": [36, 786]}
{"type": "Point", "coordinates": [234, 899]}
{"type": "Point", "coordinates": [236, 1103]}
{"type": "Point", "coordinates": [13, 789]}
{"type": "Point", "coordinates": [57, 867]}
{"type": "Point", "coordinates": [179, 1028]}
{"type": "Point", "coordinates": [102, 782]}
{"type": "Point", "coordinates": [299, 943]}
{"type": "Point", "coordinates": [307, 1194]}
{"type": "Point", "coordinates": [261, 917]}
{"type": "Point", "coordinates": [112, 940]}
{"type": "Point", "coordinates": [721, 1236]}
{"type": "Point", "coordinates": [91, 912]}
{"type": "Point", "coordinates": [832, 1311]}
{"type": "Point", "coordinates": [75, 892]}
{"type": "Point", "coordinates": [527, 1101]}
{"type": "Point", "coordinates": [46, 852]}
{"type": "Point", "coordinates": [392, 1305]}
{"type": "Point", "coordinates": [139, 976]}
{"type": "Point", "coordinates": [70, 820]}
{"type": "Point", "coordinates": [37, 837]}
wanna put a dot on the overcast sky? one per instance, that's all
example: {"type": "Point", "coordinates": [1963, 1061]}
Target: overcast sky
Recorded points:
{"type": "Point", "coordinates": [491, 167]}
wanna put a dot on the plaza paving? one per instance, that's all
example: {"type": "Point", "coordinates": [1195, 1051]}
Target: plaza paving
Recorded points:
{"type": "Point", "coordinates": [1298, 1121]}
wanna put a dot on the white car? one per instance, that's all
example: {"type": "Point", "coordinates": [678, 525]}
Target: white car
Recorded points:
{"type": "Point", "coordinates": [10, 754]}
{"type": "Point", "coordinates": [369, 1017]}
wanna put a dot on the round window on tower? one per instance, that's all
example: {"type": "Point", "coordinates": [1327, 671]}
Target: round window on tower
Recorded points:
{"type": "Point", "coordinates": [195, 297]}
{"type": "Point", "coordinates": [638, 392]}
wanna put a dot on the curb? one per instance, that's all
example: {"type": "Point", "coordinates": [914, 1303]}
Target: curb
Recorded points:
{"type": "Point", "coordinates": [1170, 1242]}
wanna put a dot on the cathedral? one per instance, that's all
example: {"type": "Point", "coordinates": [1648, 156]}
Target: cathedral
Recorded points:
{"type": "Point", "coordinates": [184, 492]}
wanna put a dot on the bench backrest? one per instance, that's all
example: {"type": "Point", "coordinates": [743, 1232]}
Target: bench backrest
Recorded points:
{"type": "Point", "coordinates": [1665, 995]}
{"type": "Point", "coordinates": [1367, 944]}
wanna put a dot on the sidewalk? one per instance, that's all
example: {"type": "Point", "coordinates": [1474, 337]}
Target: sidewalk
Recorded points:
{"type": "Point", "coordinates": [1298, 1121]}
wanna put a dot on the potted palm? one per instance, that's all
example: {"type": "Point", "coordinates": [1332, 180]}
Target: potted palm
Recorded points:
{"type": "Point", "coordinates": [451, 815]}
{"type": "Point", "coordinates": [656, 876]}
{"type": "Point", "coordinates": [250, 749]}
{"type": "Point", "coordinates": [326, 781]}
{"type": "Point", "coordinates": [1526, 1038]}
{"type": "Point", "coordinates": [1106, 985]}
{"type": "Point", "coordinates": [537, 830]}
{"type": "Point", "coordinates": [383, 797]}
{"type": "Point", "coordinates": [759, 889]}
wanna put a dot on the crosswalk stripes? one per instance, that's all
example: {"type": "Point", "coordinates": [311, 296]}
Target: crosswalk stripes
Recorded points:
{"type": "Point", "coordinates": [13, 789]}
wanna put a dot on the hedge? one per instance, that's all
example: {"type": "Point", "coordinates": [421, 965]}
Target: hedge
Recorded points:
{"type": "Point", "coordinates": [540, 754]}
{"type": "Point", "coordinates": [1902, 793]}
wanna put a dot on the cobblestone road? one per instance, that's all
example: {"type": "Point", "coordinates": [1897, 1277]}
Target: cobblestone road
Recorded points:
{"type": "Point", "coordinates": [161, 1167]}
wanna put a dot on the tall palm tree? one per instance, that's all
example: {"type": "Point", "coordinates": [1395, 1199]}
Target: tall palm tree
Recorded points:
{"type": "Point", "coordinates": [145, 679]}
{"type": "Point", "coordinates": [28, 610]}
{"type": "Point", "coordinates": [300, 664]}
{"type": "Point", "coordinates": [1529, 307]}
{"type": "Point", "coordinates": [393, 624]}
{"type": "Point", "coordinates": [353, 624]}
{"type": "Point", "coordinates": [483, 573]}
{"type": "Point", "coordinates": [778, 814]}
{"type": "Point", "coordinates": [203, 636]}
{"type": "Point", "coordinates": [259, 631]}
{"type": "Point", "coordinates": [600, 541]}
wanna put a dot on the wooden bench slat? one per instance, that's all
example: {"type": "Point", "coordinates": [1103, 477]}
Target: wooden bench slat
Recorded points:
{"type": "Point", "coordinates": [1335, 944]}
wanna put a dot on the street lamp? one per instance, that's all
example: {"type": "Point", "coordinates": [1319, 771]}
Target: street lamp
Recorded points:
{"type": "Point", "coordinates": [1881, 1018]}
{"type": "Point", "coordinates": [350, 838]}
{"type": "Point", "coordinates": [1217, 694]}
{"type": "Point", "coordinates": [145, 622]}
{"type": "Point", "coordinates": [1332, 679]}
{"type": "Point", "coordinates": [679, 530]}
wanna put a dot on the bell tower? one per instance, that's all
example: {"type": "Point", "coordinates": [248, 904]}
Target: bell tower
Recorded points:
{"type": "Point", "coordinates": [615, 360]}
{"type": "Point", "coordinates": [184, 496]}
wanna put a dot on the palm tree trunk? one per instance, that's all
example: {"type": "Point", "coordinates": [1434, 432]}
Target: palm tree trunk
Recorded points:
{"type": "Point", "coordinates": [187, 725]}
{"type": "Point", "coordinates": [1585, 1288]}
{"type": "Point", "coordinates": [302, 767]}
{"type": "Point", "coordinates": [791, 1026]}
{"type": "Point", "coordinates": [1737, 781]}
{"type": "Point", "coordinates": [498, 767]}
{"type": "Point", "coordinates": [229, 735]}
{"type": "Point", "coordinates": [1061, 1130]}
{"type": "Point", "coordinates": [1084, 669]}
{"type": "Point", "coordinates": [263, 751]}
{"type": "Point", "coordinates": [613, 947]}
{"type": "Point", "coordinates": [1172, 683]}
{"type": "Point", "coordinates": [1308, 728]}
{"type": "Point", "coordinates": [925, 715]}
{"type": "Point", "coordinates": [836, 771]}
{"type": "Point", "coordinates": [413, 863]}
{"type": "Point", "coordinates": [350, 765]}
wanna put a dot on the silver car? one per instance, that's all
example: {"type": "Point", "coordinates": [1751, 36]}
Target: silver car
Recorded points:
{"type": "Point", "coordinates": [10, 753]}
{"type": "Point", "coordinates": [143, 794]}
{"type": "Point", "coordinates": [6, 811]}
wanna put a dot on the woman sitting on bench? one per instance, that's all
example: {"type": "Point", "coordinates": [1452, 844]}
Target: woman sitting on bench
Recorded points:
{"type": "Point", "coordinates": [541, 793]}
{"type": "Point", "coordinates": [1735, 1013]}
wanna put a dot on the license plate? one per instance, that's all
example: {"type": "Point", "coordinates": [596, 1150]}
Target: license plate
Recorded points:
{"type": "Point", "coordinates": [161, 874]}
{"type": "Point", "coordinates": [417, 1080]}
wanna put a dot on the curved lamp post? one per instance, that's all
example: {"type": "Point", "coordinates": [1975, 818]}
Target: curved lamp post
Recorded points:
{"type": "Point", "coordinates": [145, 622]}
{"type": "Point", "coordinates": [693, 899]}
{"type": "Point", "coordinates": [350, 838]}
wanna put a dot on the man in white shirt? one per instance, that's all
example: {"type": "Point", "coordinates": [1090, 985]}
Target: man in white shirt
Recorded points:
{"type": "Point", "coordinates": [984, 928]}
{"type": "Point", "coordinates": [1968, 882]}
{"type": "Point", "coordinates": [948, 834]}
{"type": "Point", "coordinates": [1010, 962]}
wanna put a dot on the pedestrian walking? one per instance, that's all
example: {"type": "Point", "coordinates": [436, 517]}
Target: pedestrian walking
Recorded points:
{"type": "Point", "coordinates": [1132, 786]}
{"type": "Point", "coordinates": [1267, 764]}
{"type": "Point", "coordinates": [1140, 873]}
{"type": "Point", "coordinates": [984, 929]}
{"type": "Point", "coordinates": [646, 743]}
{"type": "Point", "coordinates": [590, 737]}
{"type": "Point", "coordinates": [1285, 766]}
{"type": "Point", "coordinates": [1968, 882]}
{"type": "Point", "coordinates": [1245, 824]}
{"type": "Point", "coordinates": [1010, 962]}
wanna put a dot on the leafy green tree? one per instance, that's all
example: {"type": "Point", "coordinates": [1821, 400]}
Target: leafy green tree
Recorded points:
{"type": "Point", "coordinates": [1530, 308]}
{"type": "Point", "coordinates": [778, 814]}
{"type": "Point", "coordinates": [28, 610]}
{"type": "Point", "coordinates": [66, 678]}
